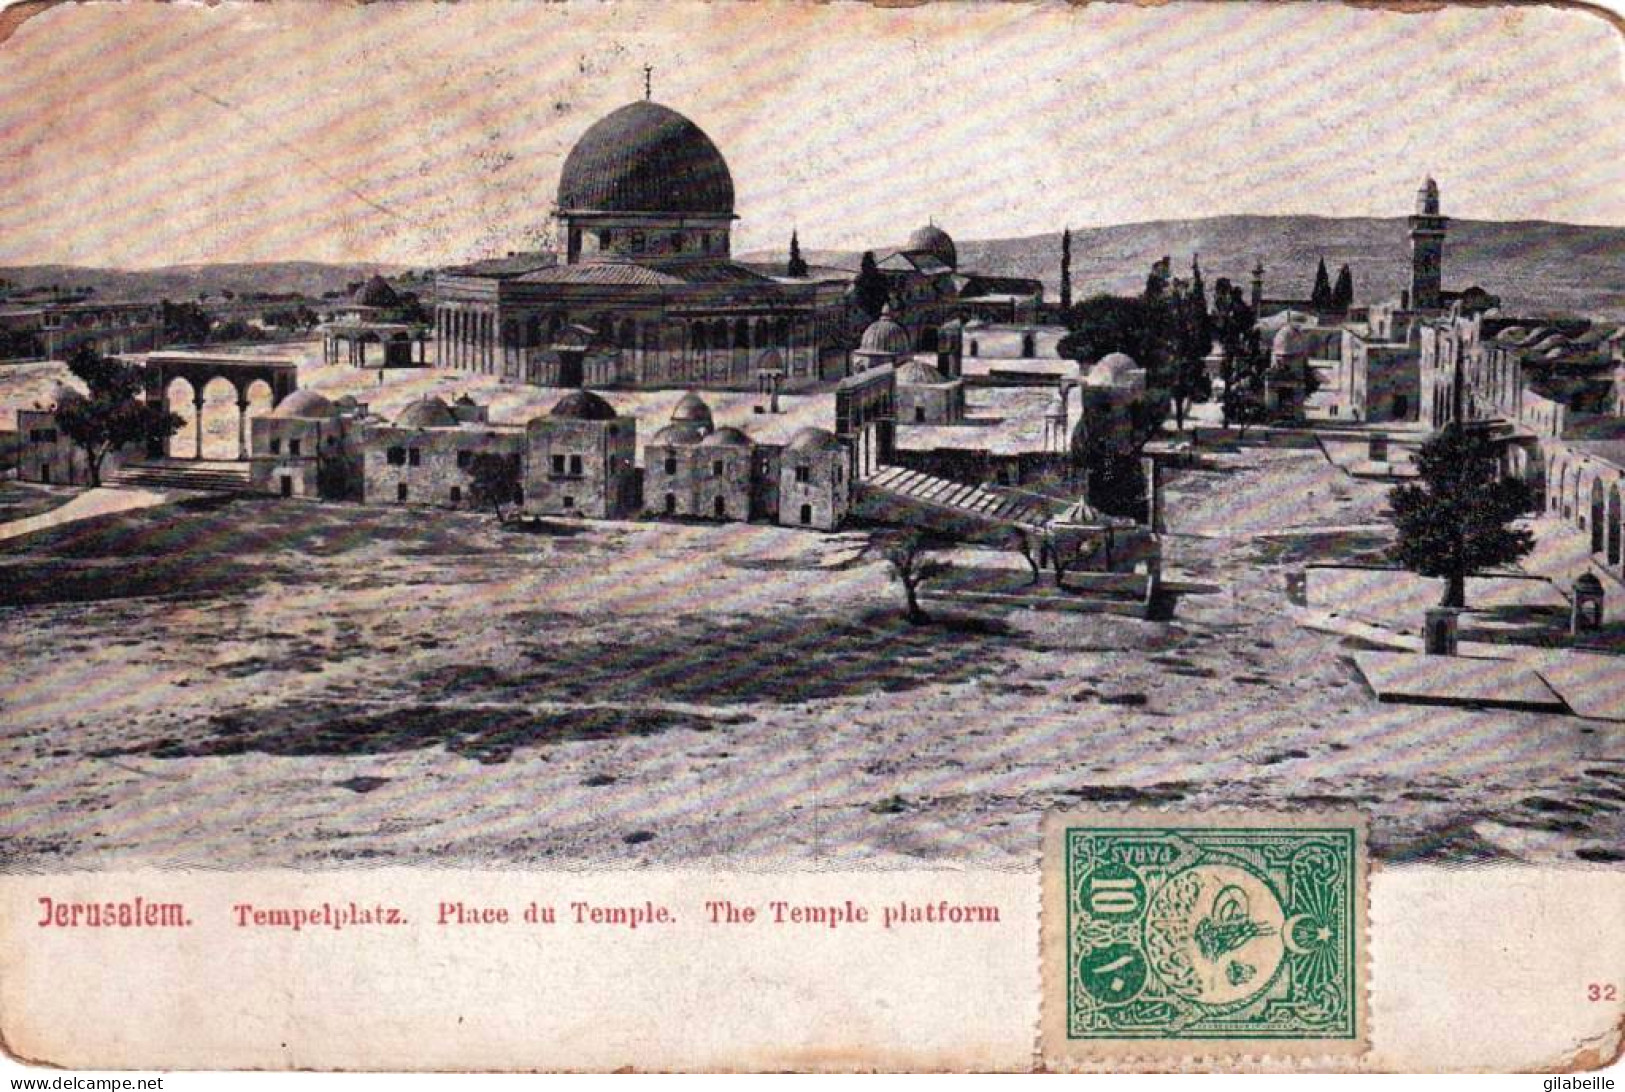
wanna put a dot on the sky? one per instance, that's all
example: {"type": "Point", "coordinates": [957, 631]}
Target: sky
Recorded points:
{"type": "Point", "coordinates": [145, 134]}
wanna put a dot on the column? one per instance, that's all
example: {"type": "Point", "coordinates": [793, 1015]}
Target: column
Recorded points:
{"type": "Point", "coordinates": [242, 429]}
{"type": "Point", "coordinates": [197, 420]}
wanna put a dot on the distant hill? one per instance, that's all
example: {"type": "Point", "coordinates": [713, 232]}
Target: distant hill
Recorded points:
{"type": "Point", "coordinates": [1531, 265]}
{"type": "Point", "coordinates": [182, 282]}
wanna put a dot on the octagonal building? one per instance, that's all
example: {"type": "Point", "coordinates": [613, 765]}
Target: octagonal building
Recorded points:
{"type": "Point", "coordinates": [645, 285]}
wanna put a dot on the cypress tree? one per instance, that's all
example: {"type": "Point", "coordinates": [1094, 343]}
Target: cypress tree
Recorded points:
{"type": "Point", "coordinates": [1066, 270]}
{"type": "Point", "coordinates": [1343, 291]}
{"type": "Point", "coordinates": [797, 266]}
{"type": "Point", "coordinates": [1321, 297]}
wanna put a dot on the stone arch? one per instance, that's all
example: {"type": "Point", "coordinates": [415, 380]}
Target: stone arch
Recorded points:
{"type": "Point", "coordinates": [1556, 467]}
{"type": "Point", "coordinates": [220, 419]}
{"type": "Point", "coordinates": [1595, 523]}
{"type": "Point", "coordinates": [181, 397]}
{"type": "Point", "coordinates": [1613, 537]}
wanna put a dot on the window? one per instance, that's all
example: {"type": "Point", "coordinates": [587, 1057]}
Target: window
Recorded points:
{"type": "Point", "coordinates": [671, 464]}
{"type": "Point", "coordinates": [637, 241]}
{"type": "Point", "coordinates": [919, 415]}
{"type": "Point", "coordinates": [575, 466]}
{"type": "Point", "coordinates": [276, 445]}
{"type": "Point", "coordinates": [400, 492]}
{"type": "Point", "coordinates": [716, 468]}
{"type": "Point", "coordinates": [569, 502]}
{"type": "Point", "coordinates": [414, 456]}
{"type": "Point", "coordinates": [395, 456]}
{"type": "Point", "coordinates": [456, 494]}
{"type": "Point", "coordinates": [293, 448]}
{"type": "Point", "coordinates": [465, 459]}
{"type": "Point", "coordinates": [803, 474]}
{"type": "Point", "coordinates": [720, 508]}
{"type": "Point", "coordinates": [558, 465]}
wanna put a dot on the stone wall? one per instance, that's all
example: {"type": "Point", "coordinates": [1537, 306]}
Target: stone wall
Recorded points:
{"type": "Point", "coordinates": [823, 499]}
{"type": "Point", "coordinates": [430, 464]}
{"type": "Point", "coordinates": [581, 468]}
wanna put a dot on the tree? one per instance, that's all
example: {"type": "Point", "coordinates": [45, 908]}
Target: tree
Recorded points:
{"type": "Point", "coordinates": [494, 482]}
{"type": "Point", "coordinates": [1244, 366]}
{"type": "Point", "coordinates": [1017, 539]}
{"type": "Point", "coordinates": [1321, 297]}
{"type": "Point", "coordinates": [1066, 270]}
{"type": "Point", "coordinates": [909, 555]}
{"type": "Point", "coordinates": [1190, 329]}
{"type": "Point", "coordinates": [1105, 324]}
{"type": "Point", "coordinates": [1456, 519]}
{"type": "Point", "coordinates": [797, 265]}
{"type": "Point", "coordinates": [112, 413]}
{"type": "Point", "coordinates": [185, 323]}
{"type": "Point", "coordinates": [871, 287]}
{"type": "Point", "coordinates": [1343, 290]}
{"type": "Point", "coordinates": [1106, 453]}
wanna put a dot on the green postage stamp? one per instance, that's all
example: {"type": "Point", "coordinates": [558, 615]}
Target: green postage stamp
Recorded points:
{"type": "Point", "coordinates": [1203, 934]}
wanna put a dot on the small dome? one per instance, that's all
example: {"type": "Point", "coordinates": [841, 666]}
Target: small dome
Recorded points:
{"type": "Point", "coordinates": [464, 400]}
{"type": "Point", "coordinates": [812, 440]}
{"type": "Point", "coordinates": [936, 242]}
{"type": "Point", "coordinates": [428, 412]}
{"type": "Point", "coordinates": [305, 404]}
{"type": "Point", "coordinates": [917, 373]}
{"type": "Point", "coordinates": [1289, 341]}
{"type": "Point", "coordinates": [377, 293]}
{"type": "Point", "coordinates": [583, 406]}
{"type": "Point", "coordinates": [682, 434]}
{"type": "Point", "coordinates": [1113, 370]}
{"type": "Point", "coordinates": [726, 437]}
{"type": "Point", "coordinates": [885, 337]}
{"type": "Point", "coordinates": [692, 410]}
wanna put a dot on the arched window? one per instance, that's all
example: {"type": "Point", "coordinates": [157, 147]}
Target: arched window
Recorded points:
{"type": "Point", "coordinates": [533, 330]}
{"type": "Point", "coordinates": [1596, 525]}
{"type": "Point", "coordinates": [1614, 545]}
{"type": "Point", "coordinates": [702, 337]}
{"type": "Point", "coordinates": [741, 334]}
{"type": "Point", "coordinates": [629, 335]}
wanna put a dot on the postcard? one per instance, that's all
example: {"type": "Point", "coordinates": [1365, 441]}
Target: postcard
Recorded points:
{"type": "Point", "coordinates": [760, 536]}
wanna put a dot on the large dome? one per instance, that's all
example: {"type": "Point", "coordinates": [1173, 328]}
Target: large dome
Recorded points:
{"type": "Point", "coordinates": [646, 157]}
{"type": "Point", "coordinates": [936, 242]}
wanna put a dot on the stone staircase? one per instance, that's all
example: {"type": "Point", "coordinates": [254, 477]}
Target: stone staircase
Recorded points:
{"type": "Point", "coordinates": [213, 477]}
{"type": "Point", "coordinates": [893, 492]}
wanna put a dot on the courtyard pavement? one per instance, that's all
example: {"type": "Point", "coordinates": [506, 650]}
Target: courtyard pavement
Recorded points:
{"type": "Point", "coordinates": [102, 501]}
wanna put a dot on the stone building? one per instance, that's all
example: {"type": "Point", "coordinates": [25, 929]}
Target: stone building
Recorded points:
{"type": "Point", "coordinates": [1012, 341]}
{"type": "Point", "coordinates": [308, 446]}
{"type": "Point", "coordinates": [53, 329]}
{"type": "Point", "coordinates": [926, 397]}
{"type": "Point", "coordinates": [815, 484]}
{"type": "Point", "coordinates": [375, 315]}
{"type": "Point", "coordinates": [580, 460]}
{"type": "Point", "coordinates": [645, 209]}
{"type": "Point", "coordinates": [1584, 486]}
{"type": "Point", "coordinates": [1287, 380]}
{"type": "Point", "coordinates": [424, 455]}
{"type": "Point", "coordinates": [929, 289]}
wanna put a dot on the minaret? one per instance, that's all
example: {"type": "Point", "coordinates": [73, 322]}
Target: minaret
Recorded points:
{"type": "Point", "coordinates": [1258, 287]}
{"type": "Point", "coordinates": [1427, 249]}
